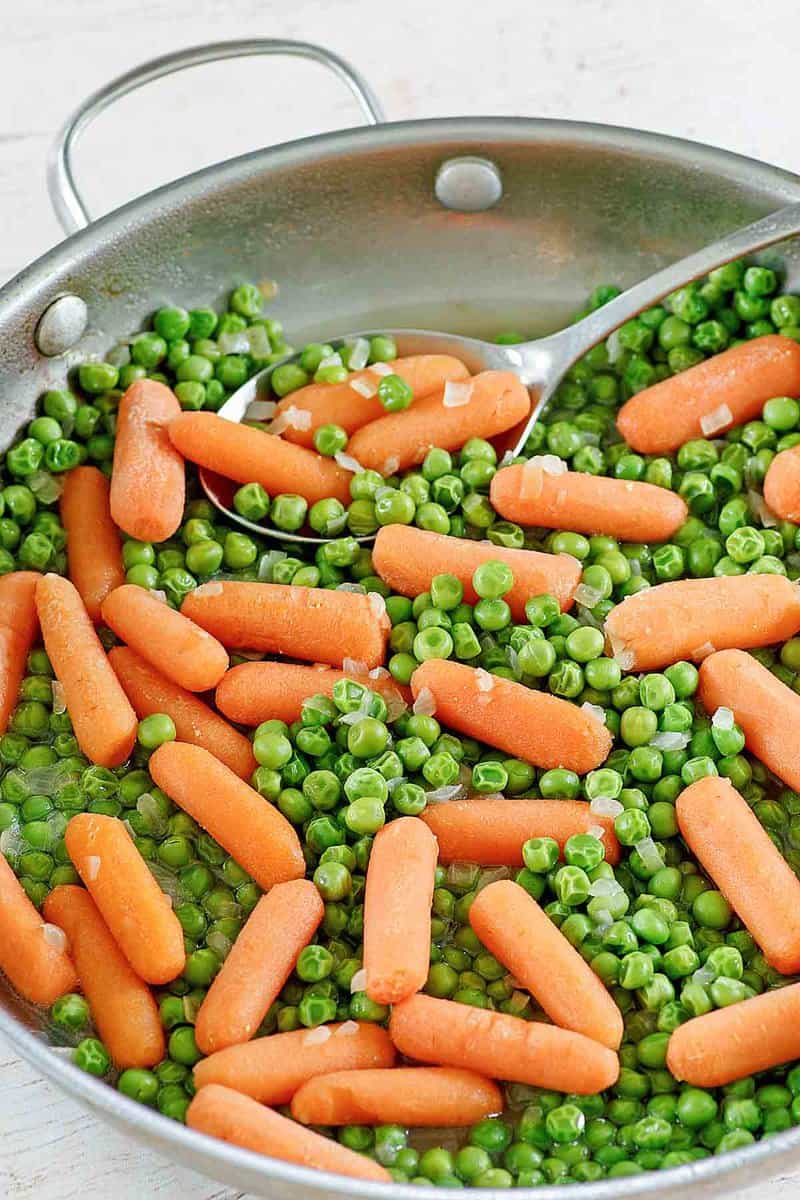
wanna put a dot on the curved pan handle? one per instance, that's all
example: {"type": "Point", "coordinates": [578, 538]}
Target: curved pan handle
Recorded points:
{"type": "Point", "coordinates": [64, 193]}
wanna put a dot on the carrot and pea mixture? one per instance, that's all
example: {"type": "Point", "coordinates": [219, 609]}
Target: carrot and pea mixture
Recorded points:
{"type": "Point", "coordinates": [468, 858]}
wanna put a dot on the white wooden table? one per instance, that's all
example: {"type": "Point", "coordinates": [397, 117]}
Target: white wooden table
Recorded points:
{"type": "Point", "coordinates": [697, 68]}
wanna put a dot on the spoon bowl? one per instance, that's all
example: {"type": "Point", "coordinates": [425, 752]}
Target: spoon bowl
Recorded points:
{"type": "Point", "coordinates": [539, 364]}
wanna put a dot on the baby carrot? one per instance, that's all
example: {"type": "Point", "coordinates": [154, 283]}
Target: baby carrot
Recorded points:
{"type": "Point", "coordinates": [740, 1040]}
{"type": "Point", "coordinates": [181, 650]}
{"type": "Point", "coordinates": [709, 399]}
{"type": "Point", "coordinates": [196, 723]}
{"type": "Point", "coordinates": [490, 832]}
{"type": "Point", "coordinates": [397, 910]}
{"type": "Point", "coordinates": [253, 692]}
{"type": "Point", "coordinates": [122, 1006]}
{"type": "Point", "coordinates": [496, 401]}
{"type": "Point", "coordinates": [691, 618]}
{"type": "Point", "coordinates": [104, 722]}
{"type": "Point", "coordinates": [261, 960]}
{"type": "Point", "coordinates": [148, 483]}
{"type": "Point", "coordinates": [519, 933]}
{"type": "Point", "coordinates": [94, 554]}
{"type": "Point", "coordinates": [450, 1034]}
{"type": "Point", "coordinates": [408, 558]}
{"type": "Point", "coordinates": [249, 455]}
{"type": "Point", "coordinates": [542, 729]}
{"type": "Point", "coordinates": [224, 1114]}
{"type": "Point", "coordinates": [344, 404]}
{"type": "Point", "coordinates": [405, 1096]}
{"type": "Point", "coordinates": [632, 512]}
{"type": "Point", "coordinates": [782, 485]}
{"type": "Point", "coordinates": [19, 624]}
{"type": "Point", "coordinates": [316, 624]}
{"type": "Point", "coordinates": [767, 711]}
{"type": "Point", "coordinates": [737, 852]}
{"type": "Point", "coordinates": [32, 954]}
{"type": "Point", "coordinates": [252, 831]}
{"type": "Point", "coordinates": [271, 1069]}
{"type": "Point", "coordinates": [138, 914]}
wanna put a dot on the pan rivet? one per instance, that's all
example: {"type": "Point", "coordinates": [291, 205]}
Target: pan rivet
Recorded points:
{"type": "Point", "coordinates": [468, 184]}
{"type": "Point", "coordinates": [61, 325]}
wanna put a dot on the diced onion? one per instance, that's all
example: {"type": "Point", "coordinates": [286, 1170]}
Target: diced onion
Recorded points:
{"type": "Point", "coordinates": [551, 464]}
{"type": "Point", "coordinates": [347, 1028]}
{"type": "Point", "coordinates": [359, 980]}
{"type": "Point", "coordinates": [587, 596]}
{"type": "Point", "coordinates": [267, 562]}
{"type": "Point", "coordinates": [723, 719]}
{"type": "Point", "coordinates": [258, 339]}
{"type": "Point", "coordinates": [363, 387]}
{"type": "Point", "coordinates": [356, 588]}
{"type": "Point", "coordinates": [457, 393]}
{"type": "Point", "coordinates": [260, 410]}
{"type": "Point", "coordinates": [316, 1037]}
{"type": "Point", "coordinates": [291, 418]}
{"type": "Point", "coordinates": [425, 703]}
{"type": "Point", "coordinates": [605, 887]}
{"type": "Point", "coordinates": [378, 672]}
{"type": "Point", "coordinates": [12, 842]}
{"type": "Point", "coordinates": [594, 710]}
{"type": "Point", "coordinates": [484, 680]}
{"type": "Point", "coordinates": [234, 343]}
{"type": "Point", "coordinates": [531, 482]}
{"type": "Point", "coordinates": [377, 605]}
{"type": "Point", "coordinates": [191, 1007]}
{"type": "Point", "coordinates": [359, 354]}
{"type": "Point", "coordinates": [383, 369]}
{"type": "Point", "coordinates": [330, 360]}
{"type": "Point", "coordinates": [354, 666]}
{"type": "Point", "coordinates": [444, 794]}
{"type": "Point", "coordinates": [760, 509]}
{"type": "Point", "coordinates": [703, 651]}
{"type": "Point", "coordinates": [46, 487]}
{"type": "Point", "coordinates": [54, 937]}
{"type": "Point", "coordinates": [513, 661]}
{"type": "Point", "coordinates": [158, 595]}
{"type": "Point", "coordinates": [347, 462]}
{"type": "Point", "coordinates": [390, 464]}
{"type": "Point", "coordinates": [606, 806]}
{"type": "Point", "coordinates": [492, 875]}
{"type": "Point", "coordinates": [597, 831]}
{"type": "Point", "coordinates": [219, 943]}
{"type": "Point", "coordinates": [59, 701]}
{"type": "Point", "coordinates": [91, 866]}
{"type": "Point", "coordinates": [704, 975]}
{"type": "Point", "coordinates": [669, 740]}
{"type": "Point", "coordinates": [715, 421]}
{"type": "Point", "coordinates": [648, 853]}
{"type": "Point", "coordinates": [213, 588]}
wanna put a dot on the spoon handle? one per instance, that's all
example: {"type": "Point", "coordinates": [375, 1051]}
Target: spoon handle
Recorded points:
{"type": "Point", "coordinates": [546, 361]}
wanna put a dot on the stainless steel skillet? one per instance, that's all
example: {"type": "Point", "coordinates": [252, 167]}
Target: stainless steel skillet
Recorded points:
{"type": "Point", "coordinates": [355, 228]}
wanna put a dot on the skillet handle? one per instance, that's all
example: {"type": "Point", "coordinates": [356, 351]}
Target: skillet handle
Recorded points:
{"type": "Point", "coordinates": [65, 196]}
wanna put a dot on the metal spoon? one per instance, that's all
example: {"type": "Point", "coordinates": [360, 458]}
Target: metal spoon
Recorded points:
{"type": "Point", "coordinates": [541, 364]}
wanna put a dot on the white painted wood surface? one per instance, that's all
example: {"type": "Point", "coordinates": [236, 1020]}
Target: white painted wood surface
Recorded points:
{"type": "Point", "coordinates": [696, 68]}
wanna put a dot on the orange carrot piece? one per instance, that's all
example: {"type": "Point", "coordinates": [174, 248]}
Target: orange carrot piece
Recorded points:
{"type": "Point", "coordinates": [196, 723]}
{"type": "Point", "coordinates": [450, 1034]}
{"type": "Point", "coordinates": [542, 729]}
{"type": "Point", "coordinates": [630, 511]}
{"type": "Point", "coordinates": [94, 553]}
{"type": "Point", "coordinates": [31, 955]}
{"type": "Point", "coordinates": [138, 914]}
{"type": "Point", "coordinates": [19, 624]}
{"type": "Point", "coordinates": [405, 1096]}
{"type": "Point", "coordinates": [257, 835]}
{"type": "Point", "coordinates": [782, 485]}
{"type": "Point", "coordinates": [183, 651]}
{"type": "Point", "coordinates": [497, 401]}
{"type": "Point", "coordinates": [261, 960]}
{"type": "Point", "coordinates": [691, 618]}
{"type": "Point", "coordinates": [271, 1069]}
{"type": "Point", "coordinates": [397, 910]}
{"type": "Point", "coordinates": [104, 722]}
{"type": "Point", "coordinates": [408, 558]}
{"type": "Point", "coordinates": [122, 1006]}
{"type": "Point", "coordinates": [492, 832]}
{"type": "Point", "coordinates": [224, 1114]}
{"type": "Point", "coordinates": [341, 404]}
{"type": "Point", "coordinates": [735, 850]}
{"type": "Point", "coordinates": [249, 455]}
{"type": "Point", "coordinates": [316, 624]}
{"type": "Point", "coordinates": [148, 484]}
{"type": "Point", "coordinates": [253, 692]}
{"type": "Point", "coordinates": [766, 709]}
{"type": "Point", "coordinates": [709, 399]}
{"type": "Point", "coordinates": [519, 933]}
{"type": "Point", "coordinates": [742, 1039]}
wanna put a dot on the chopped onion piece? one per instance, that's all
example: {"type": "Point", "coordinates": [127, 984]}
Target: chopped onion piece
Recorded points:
{"type": "Point", "coordinates": [354, 666]}
{"type": "Point", "coordinates": [252, 655]}
{"type": "Point", "coordinates": [669, 740]}
{"type": "Point", "coordinates": [444, 794]}
{"type": "Point", "coordinates": [513, 661]}
{"type": "Point", "coordinates": [714, 422]}
{"type": "Point", "coordinates": [59, 701]}
{"type": "Point", "coordinates": [377, 605]}
{"type": "Point", "coordinates": [267, 562]}
{"type": "Point", "coordinates": [624, 658]}
{"type": "Point", "coordinates": [12, 842]}
{"type": "Point", "coordinates": [390, 464]}
{"type": "Point", "coordinates": [648, 853]}
{"type": "Point", "coordinates": [214, 588]}
{"type": "Point", "coordinates": [158, 595]}
{"type": "Point", "coordinates": [594, 710]}
{"type": "Point", "coordinates": [260, 410]}
{"type": "Point", "coordinates": [457, 393]}
{"type": "Point", "coordinates": [723, 719]}
{"type": "Point", "coordinates": [603, 921]}
{"type": "Point", "coordinates": [461, 875]}
{"type": "Point", "coordinates": [356, 588]}
{"type": "Point", "coordinates": [532, 482]}
{"type": "Point", "coordinates": [234, 343]}
{"type": "Point", "coordinates": [492, 875]}
{"type": "Point", "coordinates": [703, 651]}
{"type": "Point", "coordinates": [378, 672]}
{"type": "Point", "coordinates": [347, 1028]}
{"type": "Point", "coordinates": [395, 706]}
{"type": "Point", "coordinates": [317, 1036]}
{"type": "Point", "coordinates": [551, 464]}
{"type": "Point", "coordinates": [606, 806]}
{"type": "Point", "coordinates": [425, 703]}
{"type": "Point", "coordinates": [363, 387]}
{"type": "Point", "coordinates": [596, 831]}
{"type": "Point", "coordinates": [259, 343]}
{"type": "Point", "coordinates": [587, 596]}
{"type": "Point", "coordinates": [191, 1007]}
{"type": "Point", "coordinates": [347, 462]}
{"type": "Point", "coordinates": [54, 937]}
{"type": "Point", "coordinates": [291, 418]}
{"type": "Point", "coordinates": [704, 975]}
{"type": "Point", "coordinates": [635, 566]}
{"type": "Point", "coordinates": [219, 943]}
{"type": "Point", "coordinates": [760, 509]}
{"type": "Point", "coordinates": [484, 680]}
{"type": "Point", "coordinates": [330, 360]}
{"type": "Point", "coordinates": [359, 980]}
{"type": "Point", "coordinates": [92, 867]}
{"type": "Point", "coordinates": [46, 487]}
{"type": "Point", "coordinates": [605, 887]}
{"type": "Point", "coordinates": [381, 368]}
{"type": "Point", "coordinates": [359, 354]}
